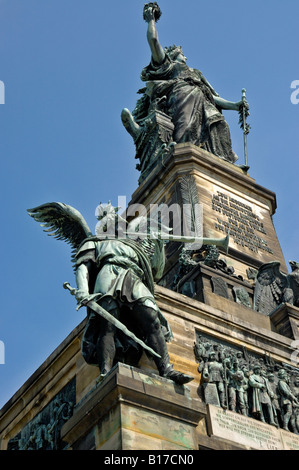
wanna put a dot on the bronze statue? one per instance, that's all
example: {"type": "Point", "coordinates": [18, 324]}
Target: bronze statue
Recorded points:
{"type": "Point", "coordinates": [117, 276]}
{"type": "Point", "coordinates": [182, 94]}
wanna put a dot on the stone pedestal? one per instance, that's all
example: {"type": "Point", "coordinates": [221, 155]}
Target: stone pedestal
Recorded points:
{"type": "Point", "coordinates": [232, 201]}
{"type": "Point", "coordinates": [130, 410]}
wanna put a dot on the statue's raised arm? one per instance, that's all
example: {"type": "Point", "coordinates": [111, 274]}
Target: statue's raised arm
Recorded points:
{"type": "Point", "coordinates": [151, 14]}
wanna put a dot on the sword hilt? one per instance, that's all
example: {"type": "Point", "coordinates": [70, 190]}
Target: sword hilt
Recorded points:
{"type": "Point", "coordinates": [83, 302]}
{"type": "Point", "coordinates": [66, 285]}
{"type": "Point", "coordinates": [73, 291]}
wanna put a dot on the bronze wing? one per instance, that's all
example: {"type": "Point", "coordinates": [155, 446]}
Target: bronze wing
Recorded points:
{"type": "Point", "coordinates": [63, 222]}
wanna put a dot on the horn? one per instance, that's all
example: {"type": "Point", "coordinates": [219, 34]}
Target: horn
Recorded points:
{"type": "Point", "coordinates": [223, 242]}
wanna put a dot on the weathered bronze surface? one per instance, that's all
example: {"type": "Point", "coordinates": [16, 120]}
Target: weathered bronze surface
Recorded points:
{"type": "Point", "coordinates": [121, 272]}
{"type": "Point", "coordinates": [177, 105]}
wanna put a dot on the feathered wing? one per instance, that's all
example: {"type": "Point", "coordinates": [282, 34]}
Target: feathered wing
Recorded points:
{"type": "Point", "coordinates": [270, 287]}
{"type": "Point", "coordinates": [63, 222]}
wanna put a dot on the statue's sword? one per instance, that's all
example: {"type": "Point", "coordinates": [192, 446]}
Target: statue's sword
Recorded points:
{"type": "Point", "coordinates": [90, 302]}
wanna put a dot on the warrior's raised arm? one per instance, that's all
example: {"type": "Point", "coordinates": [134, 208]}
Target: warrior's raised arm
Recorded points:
{"type": "Point", "coordinates": [151, 13]}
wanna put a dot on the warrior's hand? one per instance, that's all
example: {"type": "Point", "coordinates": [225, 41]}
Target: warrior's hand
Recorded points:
{"type": "Point", "coordinates": [243, 105]}
{"type": "Point", "coordinates": [81, 295]}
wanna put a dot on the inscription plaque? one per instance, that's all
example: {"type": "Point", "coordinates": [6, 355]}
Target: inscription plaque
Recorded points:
{"type": "Point", "coordinates": [290, 441]}
{"type": "Point", "coordinates": [249, 432]}
{"type": "Point", "coordinates": [243, 430]}
{"type": "Point", "coordinates": [245, 227]}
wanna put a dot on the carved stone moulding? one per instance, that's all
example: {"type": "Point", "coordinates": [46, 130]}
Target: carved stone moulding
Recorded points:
{"type": "Point", "coordinates": [285, 319]}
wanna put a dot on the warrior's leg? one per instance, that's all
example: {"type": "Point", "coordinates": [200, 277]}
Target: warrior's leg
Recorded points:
{"type": "Point", "coordinates": [221, 394]}
{"type": "Point", "coordinates": [105, 346]}
{"type": "Point", "coordinates": [242, 403]}
{"type": "Point", "coordinates": [232, 399]}
{"type": "Point", "coordinates": [287, 413]}
{"type": "Point", "coordinates": [271, 415]}
{"type": "Point", "coordinates": [146, 315]}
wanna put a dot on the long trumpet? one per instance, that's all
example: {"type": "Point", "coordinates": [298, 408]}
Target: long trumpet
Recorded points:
{"type": "Point", "coordinates": [222, 242]}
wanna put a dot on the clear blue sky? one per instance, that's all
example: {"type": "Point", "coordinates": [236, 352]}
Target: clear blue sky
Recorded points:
{"type": "Point", "coordinates": [69, 67]}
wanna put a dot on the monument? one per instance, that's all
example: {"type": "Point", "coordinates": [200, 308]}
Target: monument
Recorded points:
{"type": "Point", "coordinates": [192, 316]}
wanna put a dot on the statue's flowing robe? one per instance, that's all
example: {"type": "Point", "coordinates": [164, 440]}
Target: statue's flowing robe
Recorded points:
{"type": "Point", "coordinates": [189, 103]}
{"type": "Point", "coordinates": [120, 269]}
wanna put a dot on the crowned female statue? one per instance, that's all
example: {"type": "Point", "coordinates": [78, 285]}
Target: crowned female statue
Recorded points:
{"type": "Point", "coordinates": [183, 94]}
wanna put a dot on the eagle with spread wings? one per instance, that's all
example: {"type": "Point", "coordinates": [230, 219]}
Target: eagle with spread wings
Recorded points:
{"type": "Point", "coordinates": [273, 287]}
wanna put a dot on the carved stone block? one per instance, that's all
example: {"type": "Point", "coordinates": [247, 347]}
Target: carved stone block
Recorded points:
{"type": "Point", "coordinates": [219, 286]}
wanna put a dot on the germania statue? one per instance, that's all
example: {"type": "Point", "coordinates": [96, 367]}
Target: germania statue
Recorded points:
{"type": "Point", "coordinates": [191, 109]}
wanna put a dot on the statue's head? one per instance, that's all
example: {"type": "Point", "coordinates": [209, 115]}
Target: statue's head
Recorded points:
{"type": "Point", "coordinates": [294, 265]}
{"type": "Point", "coordinates": [108, 220]}
{"type": "Point", "coordinates": [176, 53]}
{"type": "Point", "coordinates": [257, 369]}
{"type": "Point", "coordinates": [235, 362]}
{"type": "Point", "coordinates": [282, 375]}
{"type": "Point", "coordinates": [212, 356]}
{"type": "Point", "coordinates": [105, 210]}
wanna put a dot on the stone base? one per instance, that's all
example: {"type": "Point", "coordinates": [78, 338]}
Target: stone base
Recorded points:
{"type": "Point", "coordinates": [133, 410]}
